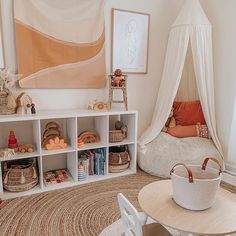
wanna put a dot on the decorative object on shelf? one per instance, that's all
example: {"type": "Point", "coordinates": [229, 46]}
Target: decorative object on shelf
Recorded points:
{"type": "Point", "coordinates": [97, 105]}
{"type": "Point", "coordinates": [23, 101]}
{"type": "Point", "coordinates": [119, 159]}
{"type": "Point", "coordinates": [33, 110]}
{"type": "Point", "coordinates": [52, 139]}
{"type": "Point", "coordinates": [7, 100]}
{"type": "Point", "coordinates": [7, 152]}
{"type": "Point", "coordinates": [12, 141]}
{"type": "Point", "coordinates": [81, 171]}
{"type": "Point", "coordinates": [56, 177]}
{"type": "Point", "coordinates": [26, 148]}
{"type": "Point", "coordinates": [21, 175]}
{"type": "Point", "coordinates": [56, 143]}
{"type": "Point", "coordinates": [28, 109]}
{"type": "Point", "coordinates": [130, 35]}
{"type": "Point", "coordinates": [89, 137]}
{"type": "Point", "coordinates": [118, 81]}
{"type": "Point", "coordinates": [80, 142]}
{"type": "Point", "coordinates": [119, 134]}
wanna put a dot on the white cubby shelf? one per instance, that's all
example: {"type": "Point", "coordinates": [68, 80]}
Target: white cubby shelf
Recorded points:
{"type": "Point", "coordinates": [30, 128]}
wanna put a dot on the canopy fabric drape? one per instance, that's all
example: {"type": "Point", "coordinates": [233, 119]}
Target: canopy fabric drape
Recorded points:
{"type": "Point", "coordinates": [191, 27]}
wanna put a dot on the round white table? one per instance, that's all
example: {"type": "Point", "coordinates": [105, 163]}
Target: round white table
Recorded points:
{"type": "Point", "coordinates": [156, 201]}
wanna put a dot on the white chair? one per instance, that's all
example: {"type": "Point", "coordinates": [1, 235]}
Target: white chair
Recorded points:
{"type": "Point", "coordinates": [135, 223]}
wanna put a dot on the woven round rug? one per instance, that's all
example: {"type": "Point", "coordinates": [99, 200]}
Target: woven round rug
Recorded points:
{"type": "Point", "coordinates": [83, 210]}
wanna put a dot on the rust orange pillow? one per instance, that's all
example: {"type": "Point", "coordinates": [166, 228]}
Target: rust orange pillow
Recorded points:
{"type": "Point", "coordinates": [188, 113]}
{"type": "Point", "coordinates": [180, 131]}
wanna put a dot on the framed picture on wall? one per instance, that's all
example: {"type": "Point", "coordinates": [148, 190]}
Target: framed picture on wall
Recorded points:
{"type": "Point", "coordinates": [130, 41]}
{"type": "Point", "coordinates": [1, 41]}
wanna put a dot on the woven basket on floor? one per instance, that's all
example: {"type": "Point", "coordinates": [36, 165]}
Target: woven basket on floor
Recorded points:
{"type": "Point", "coordinates": [116, 136]}
{"type": "Point", "coordinates": [118, 162]}
{"type": "Point", "coordinates": [19, 177]}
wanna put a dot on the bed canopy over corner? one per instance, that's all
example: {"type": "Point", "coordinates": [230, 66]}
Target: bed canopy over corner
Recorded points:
{"type": "Point", "coordinates": [193, 28]}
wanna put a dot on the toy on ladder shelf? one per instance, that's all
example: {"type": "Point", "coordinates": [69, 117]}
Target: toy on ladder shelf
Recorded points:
{"type": "Point", "coordinates": [118, 81]}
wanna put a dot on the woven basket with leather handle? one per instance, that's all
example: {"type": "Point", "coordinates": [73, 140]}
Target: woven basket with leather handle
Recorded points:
{"type": "Point", "coordinates": [20, 175]}
{"type": "Point", "coordinates": [118, 161]}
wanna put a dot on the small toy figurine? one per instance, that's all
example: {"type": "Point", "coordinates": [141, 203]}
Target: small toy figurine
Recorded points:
{"type": "Point", "coordinates": [33, 110]}
{"type": "Point", "coordinates": [12, 141]}
{"type": "Point", "coordinates": [28, 109]}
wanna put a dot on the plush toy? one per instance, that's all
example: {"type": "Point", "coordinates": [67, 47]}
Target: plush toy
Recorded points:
{"type": "Point", "coordinates": [170, 123]}
{"type": "Point", "coordinates": [117, 79]}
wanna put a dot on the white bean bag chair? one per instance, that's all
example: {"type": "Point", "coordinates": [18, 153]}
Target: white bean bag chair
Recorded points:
{"type": "Point", "coordinates": [165, 151]}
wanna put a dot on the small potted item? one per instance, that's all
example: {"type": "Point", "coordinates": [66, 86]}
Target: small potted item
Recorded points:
{"type": "Point", "coordinates": [195, 187]}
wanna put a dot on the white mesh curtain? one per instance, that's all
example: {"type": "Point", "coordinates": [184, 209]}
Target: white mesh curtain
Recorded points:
{"type": "Point", "coordinates": [191, 26]}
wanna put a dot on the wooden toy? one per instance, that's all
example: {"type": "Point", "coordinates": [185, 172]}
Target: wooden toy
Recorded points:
{"type": "Point", "coordinates": [26, 148]}
{"type": "Point", "coordinates": [28, 109]}
{"type": "Point", "coordinates": [12, 141]}
{"type": "Point", "coordinates": [80, 143]}
{"type": "Point", "coordinates": [118, 81]}
{"type": "Point", "coordinates": [22, 101]}
{"type": "Point", "coordinates": [7, 152]}
{"type": "Point", "coordinates": [97, 105]}
{"type": "Point", "coordinates": [33, 110]}
{"type": "Point", "coordinates": [56, 143]}
{"type": "Point", "coordinates": [89, 137]}
{"type": "Point", "coordinates": [52, 139]}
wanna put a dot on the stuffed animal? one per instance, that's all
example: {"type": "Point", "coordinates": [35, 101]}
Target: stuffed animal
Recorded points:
{"type": "Point", "coordinates": [117, 79]}
{"type": "Point", "coordinates": [170, 123]}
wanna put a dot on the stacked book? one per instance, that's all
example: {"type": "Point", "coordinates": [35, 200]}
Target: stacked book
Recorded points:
{"type": "Point", "coordinates": [91, 162]}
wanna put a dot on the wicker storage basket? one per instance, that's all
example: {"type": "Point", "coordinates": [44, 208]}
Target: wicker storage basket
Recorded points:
{"type": "Point", "coordinates": [20, 176]}
{"type": "Point", "coordinates": [195, 186]}
{"type": "Point", "coordinates": [118, 161]}
{"type": "Point", "coordinates": [116, 136]}
{"type": "Point", "coordinates": [5, 109]}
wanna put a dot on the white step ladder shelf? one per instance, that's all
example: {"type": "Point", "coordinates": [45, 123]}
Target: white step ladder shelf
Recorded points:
{"type": "Point", "coordinates": [29, 129]}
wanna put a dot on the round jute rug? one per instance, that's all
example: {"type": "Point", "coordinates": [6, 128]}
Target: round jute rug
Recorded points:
{"type": "Point", "coordinates": [83, 211]}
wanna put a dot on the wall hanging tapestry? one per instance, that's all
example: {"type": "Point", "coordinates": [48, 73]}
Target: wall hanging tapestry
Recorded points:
{"type": "Point", "coordinates": [60, 44]}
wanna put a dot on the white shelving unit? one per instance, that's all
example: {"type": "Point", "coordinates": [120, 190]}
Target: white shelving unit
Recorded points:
{"type": "Point", "coordinates": [29, 129]}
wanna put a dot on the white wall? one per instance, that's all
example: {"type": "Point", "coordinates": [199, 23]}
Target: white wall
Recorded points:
{"type": "Point", "coordinates": [142, 89]}
{"type": "Point", "coordinates": [222, 15]}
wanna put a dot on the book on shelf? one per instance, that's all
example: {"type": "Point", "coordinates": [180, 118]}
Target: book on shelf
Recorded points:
{"type": "Point", "coordinates": [56, 176]}
{"type": "Point", "coordinates": [91, 162]}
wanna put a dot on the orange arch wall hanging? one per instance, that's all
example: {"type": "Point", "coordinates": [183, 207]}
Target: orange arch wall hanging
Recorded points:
{"type": "Point", "coordinates": [60, 44]}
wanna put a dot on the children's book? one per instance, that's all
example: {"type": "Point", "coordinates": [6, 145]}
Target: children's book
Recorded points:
{"type": "Point", "coordinates": [56, 177]}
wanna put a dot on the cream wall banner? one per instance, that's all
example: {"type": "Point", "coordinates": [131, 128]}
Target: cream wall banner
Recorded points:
{"type": "Point", "coordinates": [60, 43]}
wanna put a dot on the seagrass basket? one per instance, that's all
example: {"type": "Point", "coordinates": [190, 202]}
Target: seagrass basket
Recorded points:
{"type": "Point", "coordinates": [118, 161]}
{"type": "Point", "coordinates": [4, 108]}
{"type": "Point", "coordinates": [20, 176]}
{"type": "Point", "coordinates": [116, 136]}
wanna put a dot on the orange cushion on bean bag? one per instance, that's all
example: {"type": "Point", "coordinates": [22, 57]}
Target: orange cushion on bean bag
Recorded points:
{"type": "Point", "coordinates": [180, 131]}
{"type": "Point", "coordinates": [188, 113]}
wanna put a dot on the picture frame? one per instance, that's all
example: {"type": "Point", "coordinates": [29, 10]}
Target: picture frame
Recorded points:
{"type": "Point", "coordinates": [2, 61]}
{"type": "Point", "coordinates": [130, 41]}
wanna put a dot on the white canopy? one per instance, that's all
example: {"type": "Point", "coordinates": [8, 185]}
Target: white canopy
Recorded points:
{"type": "Point", "coordinates": [191, 26]}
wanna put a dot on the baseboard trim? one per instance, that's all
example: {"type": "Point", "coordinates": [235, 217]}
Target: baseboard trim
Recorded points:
{"type": "Point", "coordinates": [229, 178]}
